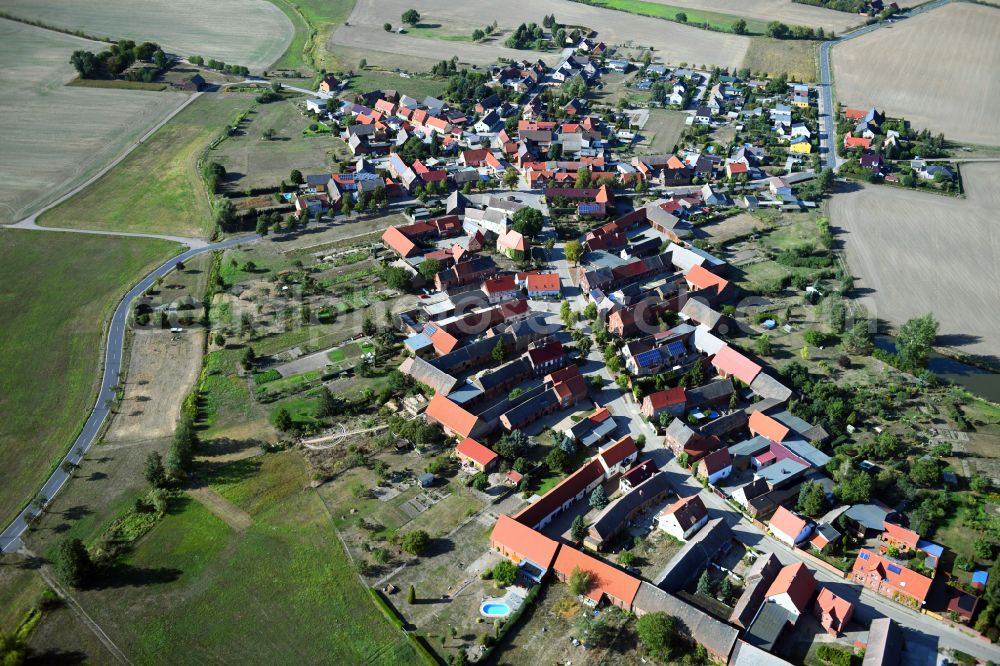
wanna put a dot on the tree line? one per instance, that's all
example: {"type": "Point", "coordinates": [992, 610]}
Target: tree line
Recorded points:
{"type": "Point", "coordinates": [115, 61]}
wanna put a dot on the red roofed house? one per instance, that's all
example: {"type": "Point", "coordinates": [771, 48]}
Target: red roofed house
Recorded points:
{"type": "Point", "coordinates": [899, 537]}
{"type": "Point", "coordinates": [731, 363]}
{"type": "Point", "coordinates": [699, 278]}
{"type": "Point", "coordinates": [329, 83]}
{"type": "Point", "coordinates": [513, 245]}
{"type": "Point", "coordinates": [543, 285]}
{"type": "Point", "coordinates": [639, 473]}
{"type": "Point", "coordinates": [609, 583]}
{"type": "Point", "coordinates": [473, 158]}
{"type": "Point", "coordinates": [618, 456]}
{"type": "Point", "coordinates": [547, 358]}
{"type": "Point", "coordinates": [474, 454]}
{"type": "Point", "coordinates": [855, 114]}
{"type": "Point", "coordinates": [735, 169]}
{"type": "Point", "coordinates": [501, 288]}
{"type": "Point", "coordinates": [571, 489]}
{"type": "Point", "coordinates": [670, 401]}
{"type": "Point", "coordinates": [524, 546]}
{"type": "Point", "coordinates": [891, 580]}
{"type": "Point", "coordinates": [443, 341]}
{"type": "Point", "coordinates": [683, 518]}
{"type": "Point", "coordinates": [792, 589]}
{"type": "Point", "coordinates": [569, 385]}
{"type": "Point", "coordinates": [833, 612]}
{"type": "Point", "coordinates": [454, 419]}
{"type": "Point", "coordinates": [762, 424]}
{"type": "Point", "coordinates": [789, 528]}
{"type": "Point", "coordinates": [397, 241]}
{"type": "Point", "coordinates": [857, 142]}
{"type": "Point", "coordinates": [716, 465]}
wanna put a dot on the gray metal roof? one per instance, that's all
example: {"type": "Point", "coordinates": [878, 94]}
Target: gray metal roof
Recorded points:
{"type": "Point", "coordinates": [689, 562]}
{"type": "Point", "coordinates": [768, 625]}
{"type": "Point", "coordinates": [717, 637]}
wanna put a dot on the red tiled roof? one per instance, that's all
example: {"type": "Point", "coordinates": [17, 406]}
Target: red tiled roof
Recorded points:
{"type": "Point", "coordinates": [830, 603]}
{"type": "Point", "coordinates": [907, 581]}
{"type": "Point", "coordinates": [476, 156]}
{"type": "Point", "coordinates": [451, 416]}
{"type": "Point", "coordinates": [499, 284]}
{"type": "Point", "coordinates": [444, 342]}
{"type": "Point", "coordinates": [543, 282]}
{"type": "Point", "coordinates": [762, 424]}
{"type": "Point", "coordinates": [473, 450]}
{"type": "Point", "coordinates": [618, 451]}
{"type": "Point", "coordinates": [688, 510]}
{"type": "Point", "coordinates": [797, 581]}
{"type": "Point", "coordinates": [701, 278]}
{"type": "Point", "coordinates": [513, 308]}
{"type": "Point", "coordinates": [549, 352]}
{"type": "Point", "coordinates": [607, 580]}
{"type": "Point", "coordinates": [900, 534]}
{"type": "Point", "coordinates": [671, 396]}
{"type": "Point", "coordinates": [787, 522]}
{"type": "Point", "coordinates": [855, 114]}
{"type": "Point", "coordinates": [736, 167]}
{"type": "Point", "coordinates": [512, 240]}
{"type": "Point", "coordinates": [526, 542]}
{"type": "Point", "coordinates": [562, 492]}
{"type": "Point", "coordinates": [398, 241]}
{"type": "Point", "coordinates": [857, 142]}
{"type": "Point", "coordinates": [716, 461]}
{"type": "Point", "coordinates": [733, 363]}
{"type": "Point", "coordinates": [600, 415]}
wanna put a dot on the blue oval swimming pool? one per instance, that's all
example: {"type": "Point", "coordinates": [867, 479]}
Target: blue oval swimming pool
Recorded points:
{"type": "Point", "coordinates": [495, 610]}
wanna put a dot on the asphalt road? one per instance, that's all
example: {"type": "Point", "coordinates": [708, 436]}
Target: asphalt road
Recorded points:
{"type": "Point", "coordinates": [828, 136]}
{"type": "Point", "coordinates": [114, 351]}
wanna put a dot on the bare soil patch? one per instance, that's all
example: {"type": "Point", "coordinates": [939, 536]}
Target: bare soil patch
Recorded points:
{"type": "Point", "coordinates": [918, 252]}
{"type": "Point", "coordinates": [938, 70]}
{"type": "Point", "coordinates": [674, 43]}
{"type": "Point", "coordinates": [162, 369]}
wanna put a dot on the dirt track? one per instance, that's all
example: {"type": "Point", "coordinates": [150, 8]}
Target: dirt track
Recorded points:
{"type": "Point", "coordinates": [923, 252]}
{"type": "Point", "coordinates": [674, 43]}
{"type": "Point", "coordinates": [939, 70]}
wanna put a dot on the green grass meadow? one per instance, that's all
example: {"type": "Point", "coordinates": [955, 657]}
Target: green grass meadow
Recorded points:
{"type": "Point", "coordinates": [57, 292]}
{"type": "Point", "coordinates": [716, 20]}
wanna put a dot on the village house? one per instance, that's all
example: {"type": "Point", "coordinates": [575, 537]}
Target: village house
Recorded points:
{"type": "Point", "coordinates": [833, 612]}
{"type": "Point", "coordinates": [475, 455]}
{"type": "Point", "coordinates": [533, 552]}
{"type": "Point", "coordinates": [500, 288]}
{"type": "Point", "coordinates": [608, 583]}
{"type": "Point", "coordinates": [543, 285]}
{"type": "Point", "coordinates": [890, 579]}
{"type": "Point", "coordinates": [613, 518]}
{"type": "Point", "coordinates": [792, 589]}
{"type": "Point", "coordinates": [639, 473]}
{"type": "Point", "coordinates": [715, 466]}
{"type": "Point", "coordinates": [513, 245]}
{"type": "Point", "coordinates": [789, 528]}
{"type": "Point", "coordinates": [669, 401]}
{"type": "Point", "coordinates": [683, 518]}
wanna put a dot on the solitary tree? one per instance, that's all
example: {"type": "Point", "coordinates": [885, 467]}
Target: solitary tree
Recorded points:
{"type": "Point", "coordinates": [411, 17]}
{"type": "Point", "coordinates": [72, 563]}
{"type": "Point", "coordinates": [573, 251]}
{"type": "Point", "coordinates": [704, 583]}
{"type": "Point", "coordinates": [153, 471]}
{"type": "Point", "coordinates": [598, 498]}
{"type": "Point", "coordinates": [387, 27]}
{"type": "Point", "coordinates": [416, 542]}
{"type": "Point", "coordinates": [578, 530]}
{"type": "Point", "coordinates": [327, 406]}
{"type": "Point", "coordinates": [411, 595]}
{"type": "Point", "coordinates": [580, 581]}
{"type": "Point", "coordinates": [915, 339]}
{"type": "Point", "coordinates": [504, 573]}
{"type": "Point", "coordinates": [658, 633]}
{"type": "Point", "coordinates": [296, 177]}
{"type": "Point", "coordinates": [283, 420]}
{"type": "Point", "coordinates": [740, 27]}
{"type": "Point", "coordinates": [527, 221]}
{"type": "Point", "coordinates": [499, 353]}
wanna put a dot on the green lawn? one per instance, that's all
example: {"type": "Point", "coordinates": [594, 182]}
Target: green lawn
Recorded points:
{"type": "Point", "coordinates": [799, 58]}
{"type": "Point", "coordinates": [434, 32]}
{"type": "Point", "coordinates": [57, 291]}
{"type": "Point", "coordinates": [716, 20]}
{"type": "Point", "coordinates": [314, 21]}
{"type": "Point", "coordinates": [416, 86]}
{"type": "Point", "coordinates": [280, 591]}
{"type": "Point", "coordinates": [156, 189]}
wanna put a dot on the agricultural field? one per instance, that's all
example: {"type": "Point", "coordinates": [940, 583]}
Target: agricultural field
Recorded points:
{"type": "Point", "coordinates": [253, 33]}
{"type": "Point", "coordinates": [157, 188]}
{"type": "Point", "coordinates": [938, 70]}
{"type": "Point", "coordinates": [662, 132]}
{"type": "Point", "coordinates": [56, 137]}
{"type": "Point", "coordinates": [252, 162]}
{"type": "Point", "coordinates": [796, 57]}
{"type": "Point", "coordinates": [58, 291]}
{"type": "Point", "coordinates": [765, 11]}
{"type": "Point", "coordinates": [197, 580]}
{"type": "Point", "coordinates": [918, 252]}
{"type": "Point", "coordinates": [673, 42]}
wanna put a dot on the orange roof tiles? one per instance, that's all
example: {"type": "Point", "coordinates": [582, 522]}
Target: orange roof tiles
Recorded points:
{"type": "Point", "coordinates": [834, 605]}
{"type": "Point", "coordinates": [618, 451]}
{"type": "Point", "coordinates": [543, 282]}
{"type": "Point", "coordinates": [666, 397]}
{"type": "Point", "coordinates": [762, 424]}
{"type": "Point", "coordinates": [898, 577]}
{"type": "Point", "coordinates": [526, 542]}
{"type": "Point", "coordinates": [398, 241]}
{"type": "Point", "coordinates": [787, 522]}
{"type": "Point", "coordinates": [562, 492]}
{"type": "Point", "coordinates": [473, 450]}
{"type": "Point", "coordinates": [499, 284]}
{"type": "Point", "coordinates": [607, 580]}
{"type": "Point", "coordinates": [797, 581]}
{"type": "Point", "coordinates": [451, 416]}
{"type": "Point", "coordinates": [702, 278]}
{"type": "Point", "coordinates": [444, 342]}
{"type": "Point", "coordinates": [901, 535]}
{"type": "Point", "coordinates": [512, 240]}
{"type": "Point", "coordinates": [733, 363]}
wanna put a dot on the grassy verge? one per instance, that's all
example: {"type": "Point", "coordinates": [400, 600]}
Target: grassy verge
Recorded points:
{"type": "Point", "coordinates": [796, 57]}
{"type": "Point", "coordinates": [117, 84]}
{"type": "Point", "coordinates": [700, 18]}
{"type": "Point", "coordinates": [415, 86]}
{"type": "Point", "coordinates": [314, 21]}
{"type": "Point", "coordinates": [156, 188]}
{"type": "Point", "coordinates": [59, 291]}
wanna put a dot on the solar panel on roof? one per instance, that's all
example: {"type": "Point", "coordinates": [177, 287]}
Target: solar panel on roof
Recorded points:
{"type": "Point", "coordinates": [648, 358]}
{"type": "Point", "coordinates": [676, 348]}
{"type": "Point", "coordinates": [894, 569]}
{"type": "Point", "coordinates": [430, 329]}
{"type": "Point", "coordinates": [863, 556]}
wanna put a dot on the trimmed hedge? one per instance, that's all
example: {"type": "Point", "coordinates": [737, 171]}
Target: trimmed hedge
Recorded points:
{"type": "Point", "coordinates": [387, 610]}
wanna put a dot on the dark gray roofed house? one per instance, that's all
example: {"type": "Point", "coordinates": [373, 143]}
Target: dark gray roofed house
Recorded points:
{"type": "Point", "coordinates": [885, 642]}
{"type": "Point", "coordinates": [758, 579]}
{"type": "Point", "coordinates": [610, 521]}
{"type": "Point", "coordinates": [711, 392]}
{"type": "Point", "coordinates": [425, 373]}
{"type": "Point", "coordinates": [768, 626]}
{"type": "Point", "coordinates": [689, 562]}
{"type": "Point", "coordinates": [717, 637]}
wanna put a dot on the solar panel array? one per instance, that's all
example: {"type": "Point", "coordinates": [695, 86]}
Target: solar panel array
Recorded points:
{"type": "Point", "coordinates": [648, 358]}
{"type": "Point", "coordinates": [430, 329]}
{"type": "Point", "coordinates": [676, 348]}
{"type": "Point", "coordinates": [894, 569]}
{"type": "Point", "coordinates": [863, 556]}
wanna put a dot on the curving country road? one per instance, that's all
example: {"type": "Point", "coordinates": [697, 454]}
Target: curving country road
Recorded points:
{"type": "Point", "coordinates": [114, 353]}
{"type": "Point", "coordinates": [827, 127]}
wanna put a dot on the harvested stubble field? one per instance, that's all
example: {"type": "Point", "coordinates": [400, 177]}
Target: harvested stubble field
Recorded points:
{"type": "Point", "coordinates": [938, 70]}
{"type": "Point", "coordinates": [790, 13]}
{"type": "Point", "coordinates": [923, 252]}
{"type": "Point", "coordinates": [253, 33]}
{"type": "Point", "coordinates": [57, 290]}
{"type": "Point", "coordinates": [796, 57]}
{"type": "Point", "coordinates": [54, 136]}
{"type": "Point", "coordinates": [674, 43]}
{"type": "Point", "coordinates": [157, 188]}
